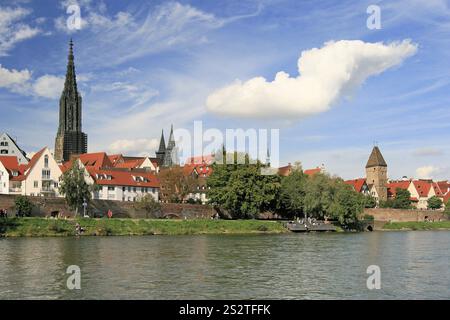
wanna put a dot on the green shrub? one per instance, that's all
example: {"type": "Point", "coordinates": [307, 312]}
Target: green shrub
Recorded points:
{"type": "Point", "coordinates": [23, 206]}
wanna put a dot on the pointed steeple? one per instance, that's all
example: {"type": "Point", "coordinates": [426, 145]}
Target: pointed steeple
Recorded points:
{"type": "Point", "coordinates": [70, 84]}
{"type": "Point", "coordinates": [376, 159]}
{"type": "Point", "coordinates": [162, 143]}
{"type": "Point", "coordinates": [70, 137]}
{"type": "Point", "coordinates": [171, 143]}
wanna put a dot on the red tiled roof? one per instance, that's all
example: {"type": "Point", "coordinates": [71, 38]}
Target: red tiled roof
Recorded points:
{"type": "Point", "coordinates": [114, 158]}
{"type": "Point", "coordinates": [423, 187]}
{"type": "Point", "coordinates": [393, 186]}
{"type": "Point", "coordinates": [130, 164]}
{"type": "Point", "coordinates": [285, 171]}
{"type": "Point", "coordinates": [444, 186]}
{"type": "Point", "coordinates": [311, 172]}
{"type": "Point", "coordinates": [96, 160]}
{"type": "Point", "coordinates": [357, 184]}
{"type": "Point", "coordinates": [437, 189]}
{"type": "Point", "coordinates": [10, 162]}
{"type": "Point", "coordinates": [446, 197]}
{"type": "Point", "coordinates": [123, 178]}
{"type": "Point", "coordinates": [34, 160]}
{"type": "Point", "coordinates": [200, 169]}
{"type": "Point", "coordinates": [208, 159]}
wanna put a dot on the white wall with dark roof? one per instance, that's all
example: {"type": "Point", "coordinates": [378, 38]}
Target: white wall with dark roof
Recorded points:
{"type": "Point", "coordinates": [8, 147]}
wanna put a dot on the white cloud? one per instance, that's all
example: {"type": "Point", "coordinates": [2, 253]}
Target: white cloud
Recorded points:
{"type": "Point", "coordinates": [12, 79]}
{"type": "Point", "coordinates": [325, 75]}
{"type": "Point", "coordinates": [113, 40]}
{"type": "Point", "coordinates": [426, 172]}
{"type": "Point", "coordinates": [433, 172]}
{"type": "Point", "coordinates": [133, 147]}
{"type": "Point", "coordinates": [12, 31]}
{"type": "Point", "coordinates": [49, 86]}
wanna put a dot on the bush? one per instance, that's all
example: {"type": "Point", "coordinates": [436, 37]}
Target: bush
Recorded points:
{"type": "Point", "coordinates": [434, 203]}
{"type": "Point", "coordinates": [368, 217]}
{"type": "Point", "coordinates": [24, 206]}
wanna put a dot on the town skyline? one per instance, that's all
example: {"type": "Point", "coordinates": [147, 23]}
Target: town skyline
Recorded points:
{"type": "Point", "coordinates": [157, 87]}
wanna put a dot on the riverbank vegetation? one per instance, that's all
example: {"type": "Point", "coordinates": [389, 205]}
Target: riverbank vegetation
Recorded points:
{"type": "Point", "coordinates": [244, 192]}
{"type": "Point", "coordinates": [418, 225]}
{"type": "Point", "coordinates": [43, 227]}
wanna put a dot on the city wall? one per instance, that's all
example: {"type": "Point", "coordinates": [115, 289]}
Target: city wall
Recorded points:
{"type": "Point", "coordinates": [45, 206]}
{"type": "Point", "coordinates": [399, 215]}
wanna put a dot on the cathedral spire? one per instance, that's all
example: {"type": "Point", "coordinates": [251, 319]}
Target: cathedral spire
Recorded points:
{"type": "Point", "coordinates": [70, 84]}
{"type": "Point", "coordinates": [171, 143]}
{"type": "Point", "coordinates": [70, 139]}
{"type": "Point", "coordinates": [162, 143]}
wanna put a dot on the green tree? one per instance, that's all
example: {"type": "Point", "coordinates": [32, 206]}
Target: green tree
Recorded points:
{"type": "Point", "coordinates": [347, 204]}
{"type": "Point", "coordinates": [23, 206]}
{"type": "Point", "coordinates": [389, 203]}
{"type": "Point", "coordinates": [447, 207]}
{"type": "Point", "coordinates": [242, 190]}
{"type": "Point", "coordinates": [369, 202]}
{"type": "Point", "coordinates": [148, 204]}
{"type": "Point", "coordinates": [176, 184]}
{"type": "Point", "coordinates": [292, 193]}
{"type": "Point", "coordinates": [434, 203]}
{"type": "Point", "coordinates": [74, 187]}
{"type": "Point", "coordinates": [402, 199]}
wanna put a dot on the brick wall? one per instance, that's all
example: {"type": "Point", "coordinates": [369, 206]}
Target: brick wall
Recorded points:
{"type": "Point", "coordinates": [44, 206]}
{"type": "Point", "coordinates": [399, 215]}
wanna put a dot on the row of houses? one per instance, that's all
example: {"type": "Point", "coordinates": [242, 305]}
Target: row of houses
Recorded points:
{"type": "Point", "coordinates": [421, 190]}
{"type": "Point", "coordinates": [118, 177]}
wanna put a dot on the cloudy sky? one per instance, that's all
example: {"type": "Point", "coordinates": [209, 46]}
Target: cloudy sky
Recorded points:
{"type": "Point", "coordinates": [333, 86]}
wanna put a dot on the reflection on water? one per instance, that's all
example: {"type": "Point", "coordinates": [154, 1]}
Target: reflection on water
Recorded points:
{"type": "Point", "coordinates": [414, 265]}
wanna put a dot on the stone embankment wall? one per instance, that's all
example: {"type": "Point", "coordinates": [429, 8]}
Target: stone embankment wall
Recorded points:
{"type": "Point", "coordinates": [44, 206]}
{"type": "Point", "coordinates": [399, 215]}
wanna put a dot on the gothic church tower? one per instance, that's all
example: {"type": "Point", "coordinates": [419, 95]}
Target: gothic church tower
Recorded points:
{"type": "Point", "coordinates": [70, 140]}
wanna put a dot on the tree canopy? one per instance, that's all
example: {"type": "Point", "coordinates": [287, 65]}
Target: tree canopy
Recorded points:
{"type": "Point", "coordinates": [434, 203]}
{"type": "Point", "coordinates": [245, 192]}
{"type": "Point", "coordinates": [74, 187]}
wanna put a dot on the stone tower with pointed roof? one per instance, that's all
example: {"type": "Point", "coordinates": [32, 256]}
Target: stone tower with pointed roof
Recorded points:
{"type": "Point", "coordinates": [376, 173]}
{"type": "Point", "coordinates": [70, 140]}
{"type": "Point", "coordinates": [161, 150]}
{"type": "Point", "coordinates": [167, 155]}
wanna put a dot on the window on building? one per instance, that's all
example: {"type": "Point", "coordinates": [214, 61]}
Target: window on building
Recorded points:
{"type": "Point", "coordinates": [36, 184]}
{"type": "Point", "coordinates": [46, 161]}
{"type": "Point", "coordinates": [45, 174]}
{"type": "Point", "coordinates": [134, 189]}
{"type": "Point", "coordinates": [4, 151]}
{"type": "Point", "coordinates": [110, 188]}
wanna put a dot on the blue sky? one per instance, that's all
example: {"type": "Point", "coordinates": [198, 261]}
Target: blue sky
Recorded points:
{"type": "Point", "coordinates": [143, 65]}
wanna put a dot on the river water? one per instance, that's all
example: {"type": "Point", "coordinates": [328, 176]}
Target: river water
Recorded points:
{"type": "Point", "coordinates": [413, 265]}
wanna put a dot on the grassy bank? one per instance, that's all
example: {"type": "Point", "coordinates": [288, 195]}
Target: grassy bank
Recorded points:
{"type": "Point", "coordinates": [41, 227]}
{"type": "Point", "coordinates": [439, 225]}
